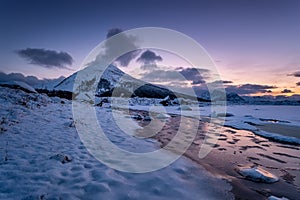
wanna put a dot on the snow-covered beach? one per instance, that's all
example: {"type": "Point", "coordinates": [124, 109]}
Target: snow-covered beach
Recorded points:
{"type": "Point", "coordinates": [42, 156]}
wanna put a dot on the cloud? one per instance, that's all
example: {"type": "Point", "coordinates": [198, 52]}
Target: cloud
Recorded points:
{"type": "Point", "coordinates": [286, 91]}
{"type": "Point", "coordinates": [149, 67]}
{"type": "Point", "coordinates": [113, 31]}
{"type": "Point", "coordinates": [195, 75]}
{"type": "Point", "coordinates": [148, 59]}
{"type": "Point", "coordinates": [298, 84]}
{"type": "Point", "coordinates": [227, 82]}
{"type": "Point", "coordinates": [221, 82]}
{"type": "Point", "coordinates": [296, 74]}
{"type": "Point", "coordinates": [247, 89]}
{"type": "Point", "coordinates": [117, 46]}
{"type": "Point", "coordinates": [46, 58]}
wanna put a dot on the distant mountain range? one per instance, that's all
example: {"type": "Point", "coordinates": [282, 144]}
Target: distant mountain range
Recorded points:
{"type": "Point", "coordinates": [33, 81]}
{"type": "Point", "coordinates": [117, 83]}
{"type": "Point", "coordinates": [234, 98]}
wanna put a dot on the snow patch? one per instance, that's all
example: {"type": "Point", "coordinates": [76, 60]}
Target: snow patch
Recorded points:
{"type": "Point", "coordinates": [257, 174]}
{"type": "Point", "coordinates": [277, 198]}
{"type": "Point", "coordinates": [162, 116]}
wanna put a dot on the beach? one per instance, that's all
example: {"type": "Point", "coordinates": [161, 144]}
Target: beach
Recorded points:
{"type": "Point", "coordinates": [238, 148]}
{"type": "Point", "coordinates": [43, 156]}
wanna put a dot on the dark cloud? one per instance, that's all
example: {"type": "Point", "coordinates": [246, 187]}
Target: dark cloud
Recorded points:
{"type": "Point", "coordinates": [296, 74]}
{"type": "Point", "coordinates": [46, 58]}
{"type": "Point", "coordinates": [179, 74]}
{"type": "Point", "coordinates": [30, 80]}
{"type": "Point", "coordinates": [286, 91]}
{"type": "Point", "coordinates": [194, 75]}
{"type": "Point", "coordinates": [298, 84]}
{"type": "Point", "coordinates": [247, 89]}
{"type": "Point", "coordinates": [149, 57]}
{"type": "Point", "coordinates": [113, 31]}
{"type": "Point", "coordinates": [227, 82]}
{"type": "Point", "coordinates": [117, 46]}
{"type": "Point", "coordinates": [222, 82]}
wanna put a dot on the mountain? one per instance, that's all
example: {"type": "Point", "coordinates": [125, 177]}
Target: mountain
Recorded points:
{"type": "Point", "coordinates": [48, 84]}
{"type": "Point", "coordinates": [117, 83]}
{"type": "Point", "coordinates": [218, 95]}
{"type": "Point", "coordinates": [31, 80]}
{"type": "Point", "coordinates": [18, 85]}
{"type": "Point", "coordinates": [273, 100]}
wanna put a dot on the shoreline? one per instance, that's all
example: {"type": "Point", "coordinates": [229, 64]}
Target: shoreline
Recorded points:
{"type": "Point", "coordinates": [237, 148]}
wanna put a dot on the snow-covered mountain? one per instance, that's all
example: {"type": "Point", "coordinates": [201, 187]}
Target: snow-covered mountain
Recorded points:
{"type": "Point", "coordinates": [217, 95]}
{"type": "Point", "coordinates": [48, 84]}
{"type": "Point", "coordinates": [115, 81]}
{"type": "Point", "coordinates": [32, 81]}
{"type": "Point", "coordinates": [18, 85]}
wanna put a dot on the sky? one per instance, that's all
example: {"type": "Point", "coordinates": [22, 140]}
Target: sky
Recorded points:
{"type": "Point", "coordinates": [255, 44]}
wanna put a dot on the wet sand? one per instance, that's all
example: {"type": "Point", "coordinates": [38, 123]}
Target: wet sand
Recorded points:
{"type": "Point", "coordinates": [237, 148]}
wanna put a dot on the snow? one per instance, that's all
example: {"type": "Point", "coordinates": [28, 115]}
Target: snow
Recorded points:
{"type": "Point", "coordinates": [258, 174]}
{"type": "Point", "coordinates": [277, 198]}
{"type": "Point", "coordinates": [67, 84]}
{"type": "Point", "coordinates": [19, 84]}
{"type": "Point", "coordinates": [281, 113]}
{"type": "Point", "coordinates": [112, 74]}
{"type": "Point", "coordinates": [162, 116]}
{"type": "Point", "coordinates": [184, 107]}
{"type": "Point", "coordinates": [249, 117]}
{"type": "Point", "coordinates": [47, 160]}
{"type": "Point", "coordinates": [243, 117]}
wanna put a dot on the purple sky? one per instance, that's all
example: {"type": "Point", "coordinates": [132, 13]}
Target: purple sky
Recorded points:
{"type": "Point", "coordinates": [255, 42]}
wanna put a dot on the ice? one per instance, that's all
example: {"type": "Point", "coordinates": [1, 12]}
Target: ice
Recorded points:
{"type": "Point", "coordinates": [162, 116]}
{"type": "Point", "coordinates": [258, 174]}
{"type": "Point", "coordinates": [277, 198]}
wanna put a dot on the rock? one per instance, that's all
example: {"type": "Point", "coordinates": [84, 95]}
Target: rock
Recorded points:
{"type": "Point", "coordinates": [72, 124]}
{"type": "Point", "coordinates": [225, 115]}
{"type": "Point", "coordinates": [166, 101]}
{"type": "Point", "coordinates": [137, 116]}
{"type": "Point", "coordinates": [197, 142]}
{"type": "Point", "coordinates": [257, 174]}
{"type": "Point", "coordinates": [147, 118]}
{"type": "Point", "coordinates": [62, 158]}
